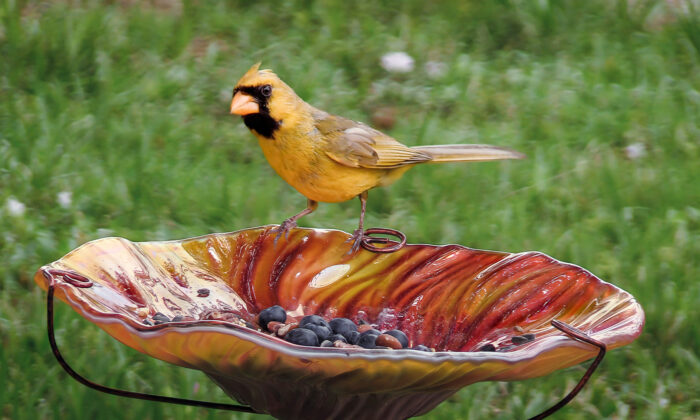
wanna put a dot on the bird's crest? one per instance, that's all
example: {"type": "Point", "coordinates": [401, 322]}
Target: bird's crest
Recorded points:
{"type": "Point", "coordinates": [254, 76]}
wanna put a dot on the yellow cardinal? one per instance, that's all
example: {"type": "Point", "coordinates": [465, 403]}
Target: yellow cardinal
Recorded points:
{"type": "Point", "coordinates": [329, 158]}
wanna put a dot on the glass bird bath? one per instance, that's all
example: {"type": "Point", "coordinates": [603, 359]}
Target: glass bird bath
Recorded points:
{"type": "Point", "coordinates": [451, 298]}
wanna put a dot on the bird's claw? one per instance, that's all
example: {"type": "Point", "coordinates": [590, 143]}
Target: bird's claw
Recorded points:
{"type": "Point", "coordinates": [283, 229]}
{"type": "Point", "coordinates": [356, 240]}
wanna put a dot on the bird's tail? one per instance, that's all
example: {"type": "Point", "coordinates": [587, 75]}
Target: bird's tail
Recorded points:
{"type": "Point", "coordinates": [468, 153]}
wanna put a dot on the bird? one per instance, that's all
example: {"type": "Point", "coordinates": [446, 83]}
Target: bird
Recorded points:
{"type": "Point", "coordinates": [328, 158]}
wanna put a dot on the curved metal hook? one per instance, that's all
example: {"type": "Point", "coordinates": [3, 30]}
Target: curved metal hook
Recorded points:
{"type": "Point", "coordinates": [579, 335]}
{"type": "Point", "coordinates": [368, 240]}
{"type": "Point", "coordinates": [74, 279]}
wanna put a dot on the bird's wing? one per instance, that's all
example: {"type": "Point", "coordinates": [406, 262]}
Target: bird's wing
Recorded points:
{"type": "Point", "coordinates": [357, 145]}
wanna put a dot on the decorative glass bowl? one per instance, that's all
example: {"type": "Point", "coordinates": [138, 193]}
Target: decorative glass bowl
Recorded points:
{"type": "Point", "coordinates": [451, 298]}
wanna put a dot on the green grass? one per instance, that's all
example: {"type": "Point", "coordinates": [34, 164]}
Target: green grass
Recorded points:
{"type": "Point", "coordinates": [126, 108]}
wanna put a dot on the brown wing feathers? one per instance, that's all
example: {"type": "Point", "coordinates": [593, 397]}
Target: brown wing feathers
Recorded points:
{"type": "Point", "coordinates": [356, 145]}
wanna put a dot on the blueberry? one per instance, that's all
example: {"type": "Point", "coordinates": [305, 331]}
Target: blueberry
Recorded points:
{"type": "Point", "coordinates": [159, 318]}
{"type": "Point", "coordinates": [522, 339]}
{"type": "Point", "coordinates": [336, 337]}
{"type": "Point", "coordinates": [420, 347]}
{"type": "Point", "coordinates": [177, 318]}
{"type": "Point", "coordinates": [342, 326]}
{"type": "Point", "coordinates": [371, 331]}
{"type": "Point", "coordinates": [322, 332]}
{"type": "Point", "coordinates": [353, 337]}
{"type": "Point", "coordinates": [487, 347]}
{"type": "Point", "coordinates": [327, 343]}
{"type": "Point", "coordinates": [368, 341]}
{"type": "Point", "coordinates": [313, 320]}
{"type": "Point", "coordinates": [302, 336]}
{"type": "Point", "coordinates": [273, 313]}
{"type": "Point", "coordinates": [399, 335]}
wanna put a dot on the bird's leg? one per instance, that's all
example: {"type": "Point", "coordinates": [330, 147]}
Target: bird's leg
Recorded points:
{"type": "Point", "coordinates": [359, 233]}
{"type": "Point", "coordinates": [291, 223]}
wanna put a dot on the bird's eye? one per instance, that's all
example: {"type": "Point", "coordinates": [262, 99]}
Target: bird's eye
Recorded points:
{"type": "Point", "coordinates": [266, 90]}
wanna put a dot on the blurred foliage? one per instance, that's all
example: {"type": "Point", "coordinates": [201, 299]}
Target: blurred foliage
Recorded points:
{"type": "Point", "coordinates": [123, 105]}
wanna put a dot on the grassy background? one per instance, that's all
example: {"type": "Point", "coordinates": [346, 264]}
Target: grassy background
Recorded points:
{"type": "Point", "coordinates": [126, 108]}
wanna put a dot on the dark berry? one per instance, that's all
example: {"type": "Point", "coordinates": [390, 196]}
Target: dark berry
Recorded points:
{"type": "Point", "coordinates": [322, 332]}
{"type": "Point", "coordinates": [487, 347]}
{"type": "Point", "coordinates": [420, 347]}
{"type": "Point", "coordinates": [160, 318]}
{"type": "Point", "coordinates": [368, 341]}
{"type": "Point", "coordinates": [146, 322]}
{"type": "Point", "coordinates": [327, 343]}
{"type": "Point", "coordinates": [336, 337]}
{"type": "Point", "coordinates": [273, 313]}
{"type": "Point", "coordinates": [399, 335]}
{"type": "Point", "coordinates": [353, 337]}
{"type": "Point", "coordinates": [302, 336]}
{"type": "Point", "coordinates": [522, 339]}
{"type": "Point", "coordinates": [371, 331]}
{"type": "Point", "coordinates": [342, 326]}
{"type": "Point", "coordinates": [177, 318]}
{"type": "Point", "coordinates": [313, 320]}
{"type": "Point", "coordinates": [202, 292]}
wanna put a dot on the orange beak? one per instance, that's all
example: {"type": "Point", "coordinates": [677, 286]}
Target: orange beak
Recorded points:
{"type": "Point", "coordinates": [243, 104]}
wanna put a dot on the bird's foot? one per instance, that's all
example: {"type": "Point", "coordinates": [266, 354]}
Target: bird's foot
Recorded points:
{"type": "Point", "coordinates": [365, 240]}
{"type": "Point", "coordinates": [356, 240]}
{"type": "Point", "coordinates": [283, 229]}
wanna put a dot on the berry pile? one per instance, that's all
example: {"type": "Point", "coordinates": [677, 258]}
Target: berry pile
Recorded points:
{"type": "Point", "coordinates": [313, 330]}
